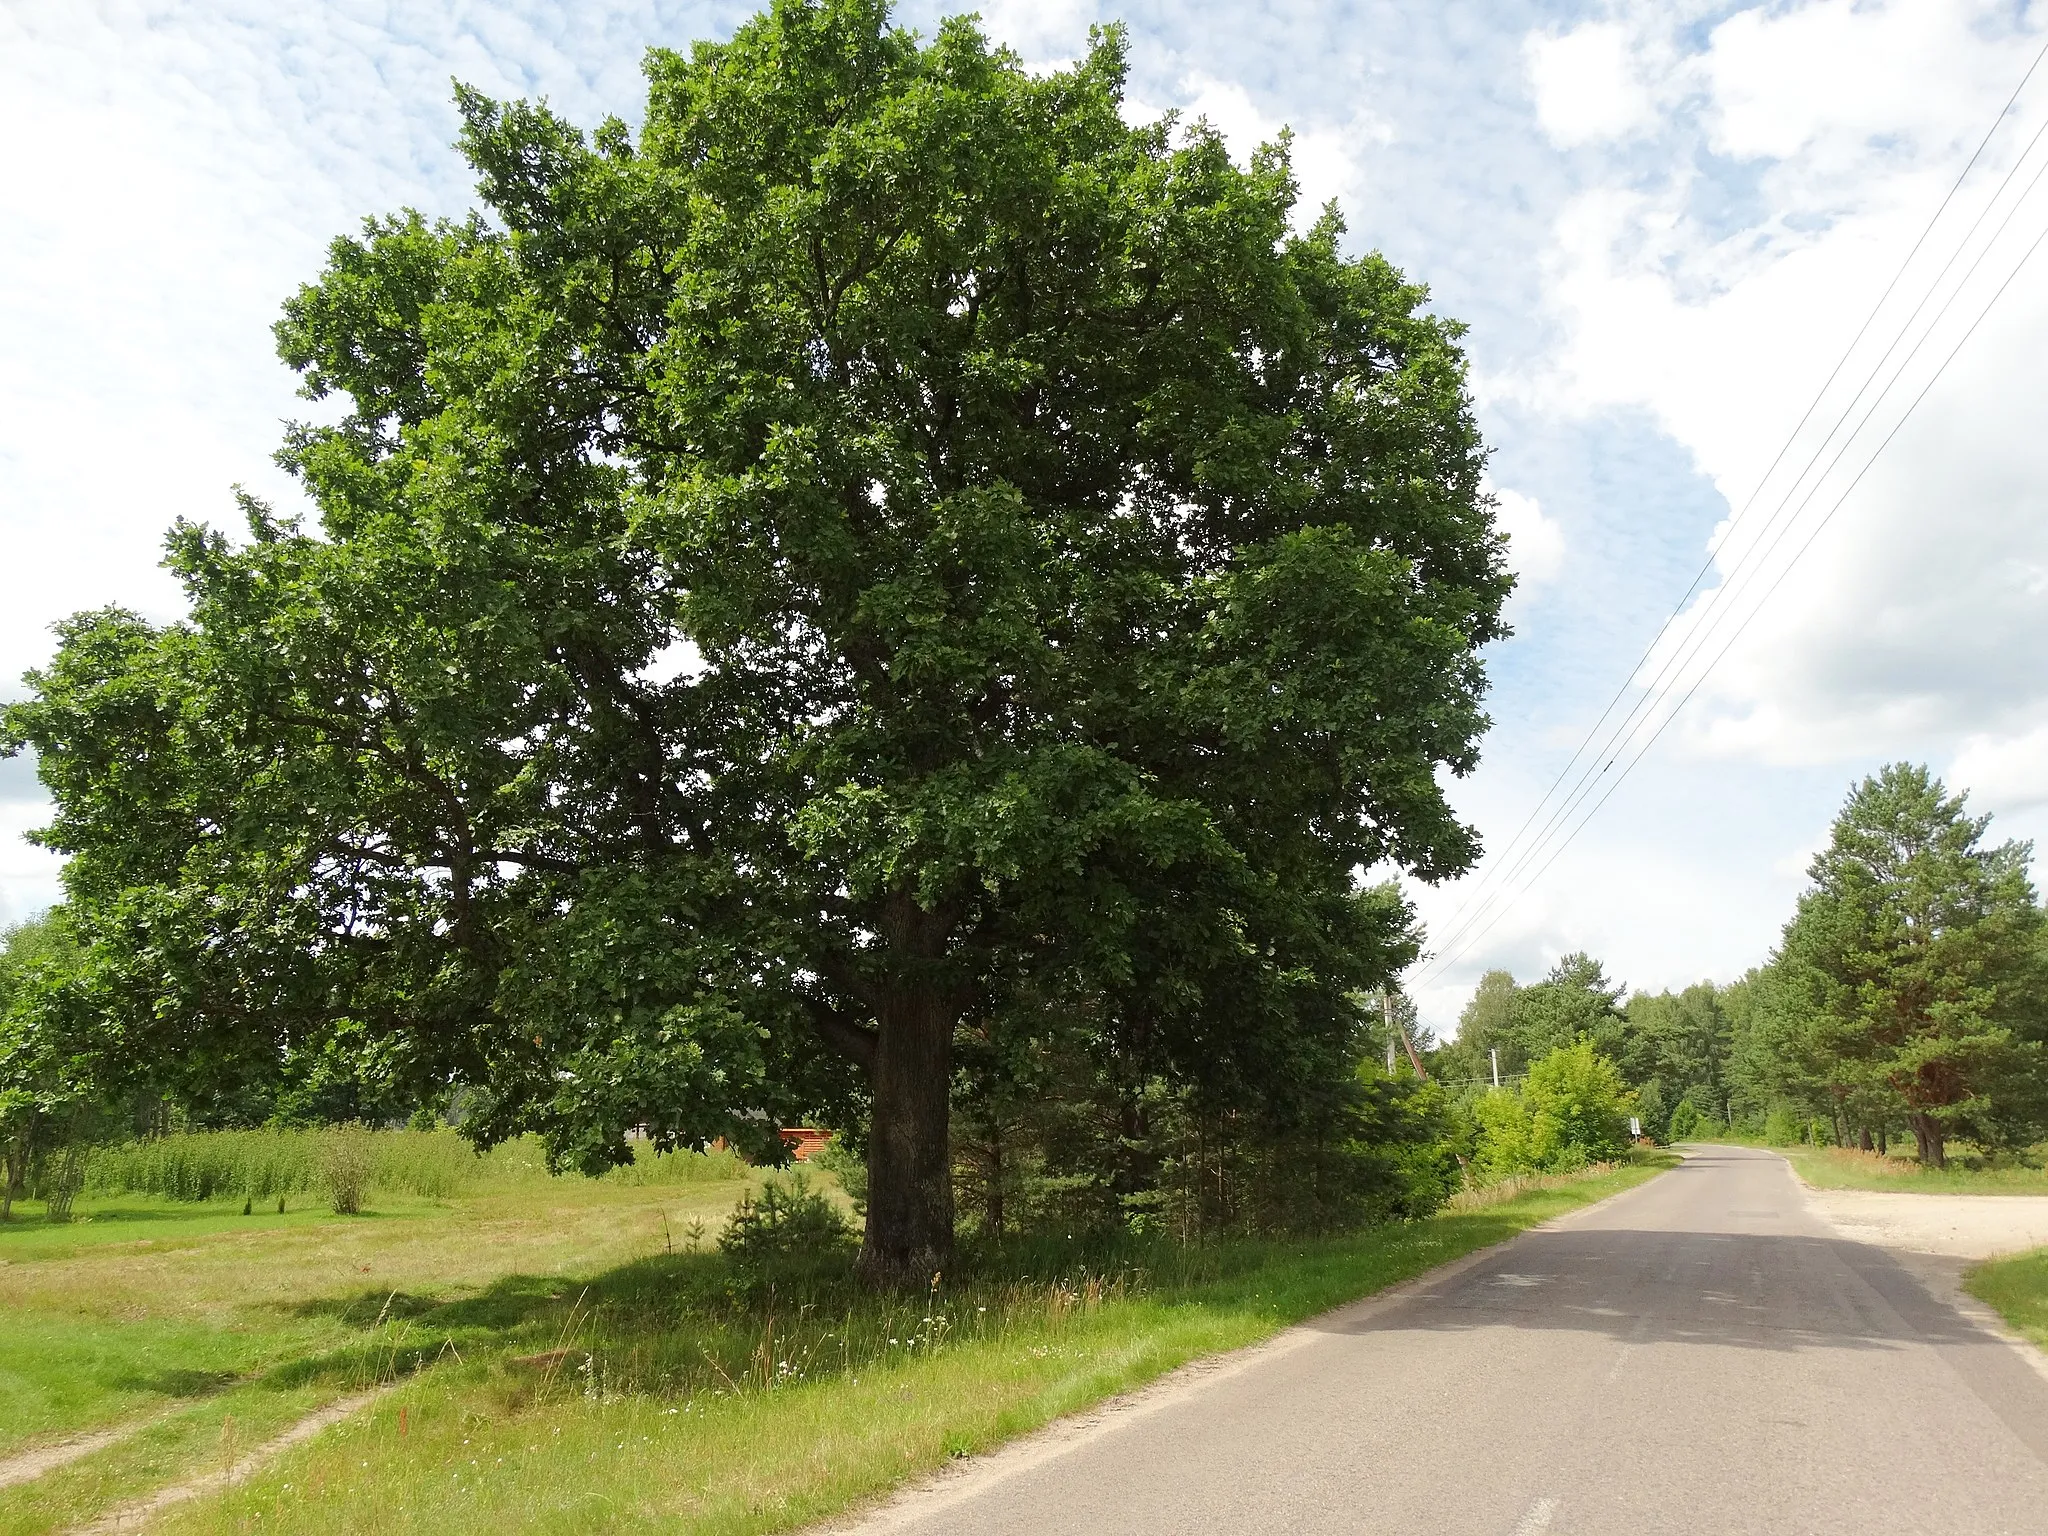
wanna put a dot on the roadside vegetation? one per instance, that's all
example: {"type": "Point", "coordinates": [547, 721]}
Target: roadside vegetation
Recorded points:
{"type": "Point", "coordinates": [1967, 1172]}
{"type": "Point", "coordinates": [2017, 1288]}
{"type": "Point", "coordinates": [576, 1354]}
{"type": "Point", "coordinates": [1895, 1039]}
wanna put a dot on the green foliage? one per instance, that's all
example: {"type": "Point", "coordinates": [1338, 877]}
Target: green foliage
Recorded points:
{"type": "Point", "coordinates": [840, 1160]}
{"type": "Point", "coordinates": [1574, 1000]}
{"type": "Point", "coordinates": [1578, 1106]}
{"type": "Point", "coordinates": [1676, 1048]}
{"type": "Point", "coordinates": [1783, 1127]}
{"type": "Point", "coordinates": [49, 1095]}
{"type": "Point", "coordinates": [1507, 1141]}
{"type": "Point", "coordinates": [1685, 1122]}
{"type": "Point", "coordinates": [1909, 984]}
{"type": "Point", "coordinates": [886, 540]}
{"type": "Point", "coordinates": [1065, 1138]}
{"type": "Point", "coordinates": [1572, 1109]}
{"type": "Point", "coordinates": [789, 1235]}
{"type": "Point", "coordinates": [347, 1164]}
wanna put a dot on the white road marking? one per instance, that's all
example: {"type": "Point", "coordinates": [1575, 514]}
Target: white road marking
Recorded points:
{"type": "Point", "coordinates": [1621, 1359]}
{"type": "Point", "coordinates": [1537, 1520]}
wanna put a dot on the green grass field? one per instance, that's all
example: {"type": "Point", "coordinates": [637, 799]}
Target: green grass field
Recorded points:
{"type": "Point", "coordinates": [561, 1358]}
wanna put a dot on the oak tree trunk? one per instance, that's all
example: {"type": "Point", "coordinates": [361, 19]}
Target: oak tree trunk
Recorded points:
{"type": "Point", "coordinates": [910, 1174]}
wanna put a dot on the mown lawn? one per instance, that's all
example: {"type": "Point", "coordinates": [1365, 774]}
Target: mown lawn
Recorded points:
{"type": "Point", "coordinates": [562, 1361]}
{"type": "Point", "coordinates": [2018, 1289]}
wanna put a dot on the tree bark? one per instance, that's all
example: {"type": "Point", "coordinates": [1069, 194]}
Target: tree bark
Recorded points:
{"type": "Point", "coordinates": [1932, 1145]}
{"type": "Point", "coordinates": [910, 1174]}
{"type": "Point", "coordinates": [1863, 1140]}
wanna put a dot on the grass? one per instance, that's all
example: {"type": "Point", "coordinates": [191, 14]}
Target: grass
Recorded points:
{"type": "Point", "coordinates": [1847, 1168]}
{"type": "Point", "coordinates": [2018, 1289]}
{"type": "Point", "coordinates": [645, 1403]}
{"type": "Point", "coordinates": [561, 1358]}
{"type": "Point", "coordinates": [140, 1305]}
{"type": "Point", "coordinates": [263, 1165]}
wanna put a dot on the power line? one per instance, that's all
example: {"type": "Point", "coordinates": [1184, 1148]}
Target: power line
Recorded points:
{"type": "Point", "coordinates": [1708, 564]}
{"type": "Point", "coordinates": [1773, 533]}
{"type": "Point", "coordinates": [1507, 866]}
{"type": "Point", "coordinates": [1805, 545]}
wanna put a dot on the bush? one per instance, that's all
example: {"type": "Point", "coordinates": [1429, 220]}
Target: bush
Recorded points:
{"type": "Point", "coordinates": [1506, 1145]}
{"type": "Point", "coordinates": [1578, 1108]}
{"type": "Point", "coordinates": [1782, 1127]}
{"type": "Point", "coordinates": [347, 1160]}
{"type": "Point", "coordinates": [789, 1234]}
{"type": "Point", "coordinates": [1685, 1121]}
{"type": "Point", "coordinates": [60, 1174]}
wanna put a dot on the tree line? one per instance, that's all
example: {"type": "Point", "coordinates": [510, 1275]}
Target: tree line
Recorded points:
{"type": "Point", "coordinates": [1907, 997]}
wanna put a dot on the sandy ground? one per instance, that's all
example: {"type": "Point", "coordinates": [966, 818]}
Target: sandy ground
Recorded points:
{"type": "Point", "coordinates": [1954, 1226]}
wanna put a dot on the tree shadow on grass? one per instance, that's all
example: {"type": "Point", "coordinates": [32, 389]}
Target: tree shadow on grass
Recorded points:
{"type": "Point", "coordinates": [176, 1383]}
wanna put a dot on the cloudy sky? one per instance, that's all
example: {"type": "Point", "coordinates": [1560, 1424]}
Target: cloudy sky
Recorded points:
{"type": "Point", "coordinates": [1665, 223]}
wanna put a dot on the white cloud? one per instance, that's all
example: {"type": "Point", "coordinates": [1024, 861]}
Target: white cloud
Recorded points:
{"type": "Point", "coordinates": [2003, 773]}
{"type": "Point", "coordinates": [1588, 84]}
{"type": "Point", "coordinates": [1324, 156]}
{"type": "Point", "coordinates": [1915, 617]}
{"type": "Point", "coordinates": [1535, 542]}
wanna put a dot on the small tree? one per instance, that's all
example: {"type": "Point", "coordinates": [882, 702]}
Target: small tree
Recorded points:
{"type": "Point", "coordinates": [1578, 1106]}
{"type": "Point", "coordinates": [47, 1089]}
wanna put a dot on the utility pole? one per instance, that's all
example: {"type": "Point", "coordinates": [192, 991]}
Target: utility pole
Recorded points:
{"type": "Point", "coordinates": [1494, 1052]}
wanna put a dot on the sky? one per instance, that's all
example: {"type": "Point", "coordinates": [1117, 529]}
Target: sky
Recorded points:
{"type": "Point", "coordinates": [1675, 230]}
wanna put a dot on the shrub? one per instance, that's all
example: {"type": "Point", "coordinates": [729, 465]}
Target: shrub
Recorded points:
{"type": "Point", "coordinates": [1782, 1127]}
{"type": "Point", "coordinates": [1685, 1120]}
{"type": "Point", "coordinates": [60, 1174]}
{"type": "Point", "coordinates": [848, 1167]}
{"type": "Point", "coordinates": [1506, 1145]}
{"type": "Point", "coordinates": [1578, 1107]}
{"type": "Point", "coordinates": [790, 1234]}
{"type": "Point", "coordinates": [347, 1160]}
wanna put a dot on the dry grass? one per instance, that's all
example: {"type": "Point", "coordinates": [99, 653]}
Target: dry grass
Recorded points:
{"type": "Point", "coordinates": [1847, 1168]}
{"type": "Point", "coordinates": [1517, 1184]}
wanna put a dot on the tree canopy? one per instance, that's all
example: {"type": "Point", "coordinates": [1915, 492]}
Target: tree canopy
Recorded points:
{"type": "Point", "coordinates": [1912, 972]}
{"type": "Point", "coordinates": [886, 540]}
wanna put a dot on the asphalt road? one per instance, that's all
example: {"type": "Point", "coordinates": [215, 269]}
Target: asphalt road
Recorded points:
{"type": "Point", "coordinates": [1701, 1355]}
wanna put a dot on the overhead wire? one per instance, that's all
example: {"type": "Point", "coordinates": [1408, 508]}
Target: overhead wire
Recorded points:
{"type": "Point", "coordinates": [1813, 405]}
{"type": "Point", "coordinates": [1726, 598]}
{"type": "Point", "coordinates": [1785, 571]}
{"type": "Point", "coordinates": [1721, 600]}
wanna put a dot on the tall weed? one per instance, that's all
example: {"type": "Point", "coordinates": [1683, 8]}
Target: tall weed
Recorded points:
{"type": "Point", "coordinates": [269, 1164]}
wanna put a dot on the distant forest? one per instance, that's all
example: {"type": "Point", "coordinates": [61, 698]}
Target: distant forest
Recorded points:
{"type": "Point", "coordinates": [1906, 998]}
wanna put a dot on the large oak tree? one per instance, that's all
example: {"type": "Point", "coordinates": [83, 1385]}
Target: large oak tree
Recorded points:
{"type": "Point", "coordinates": [887, 539]}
